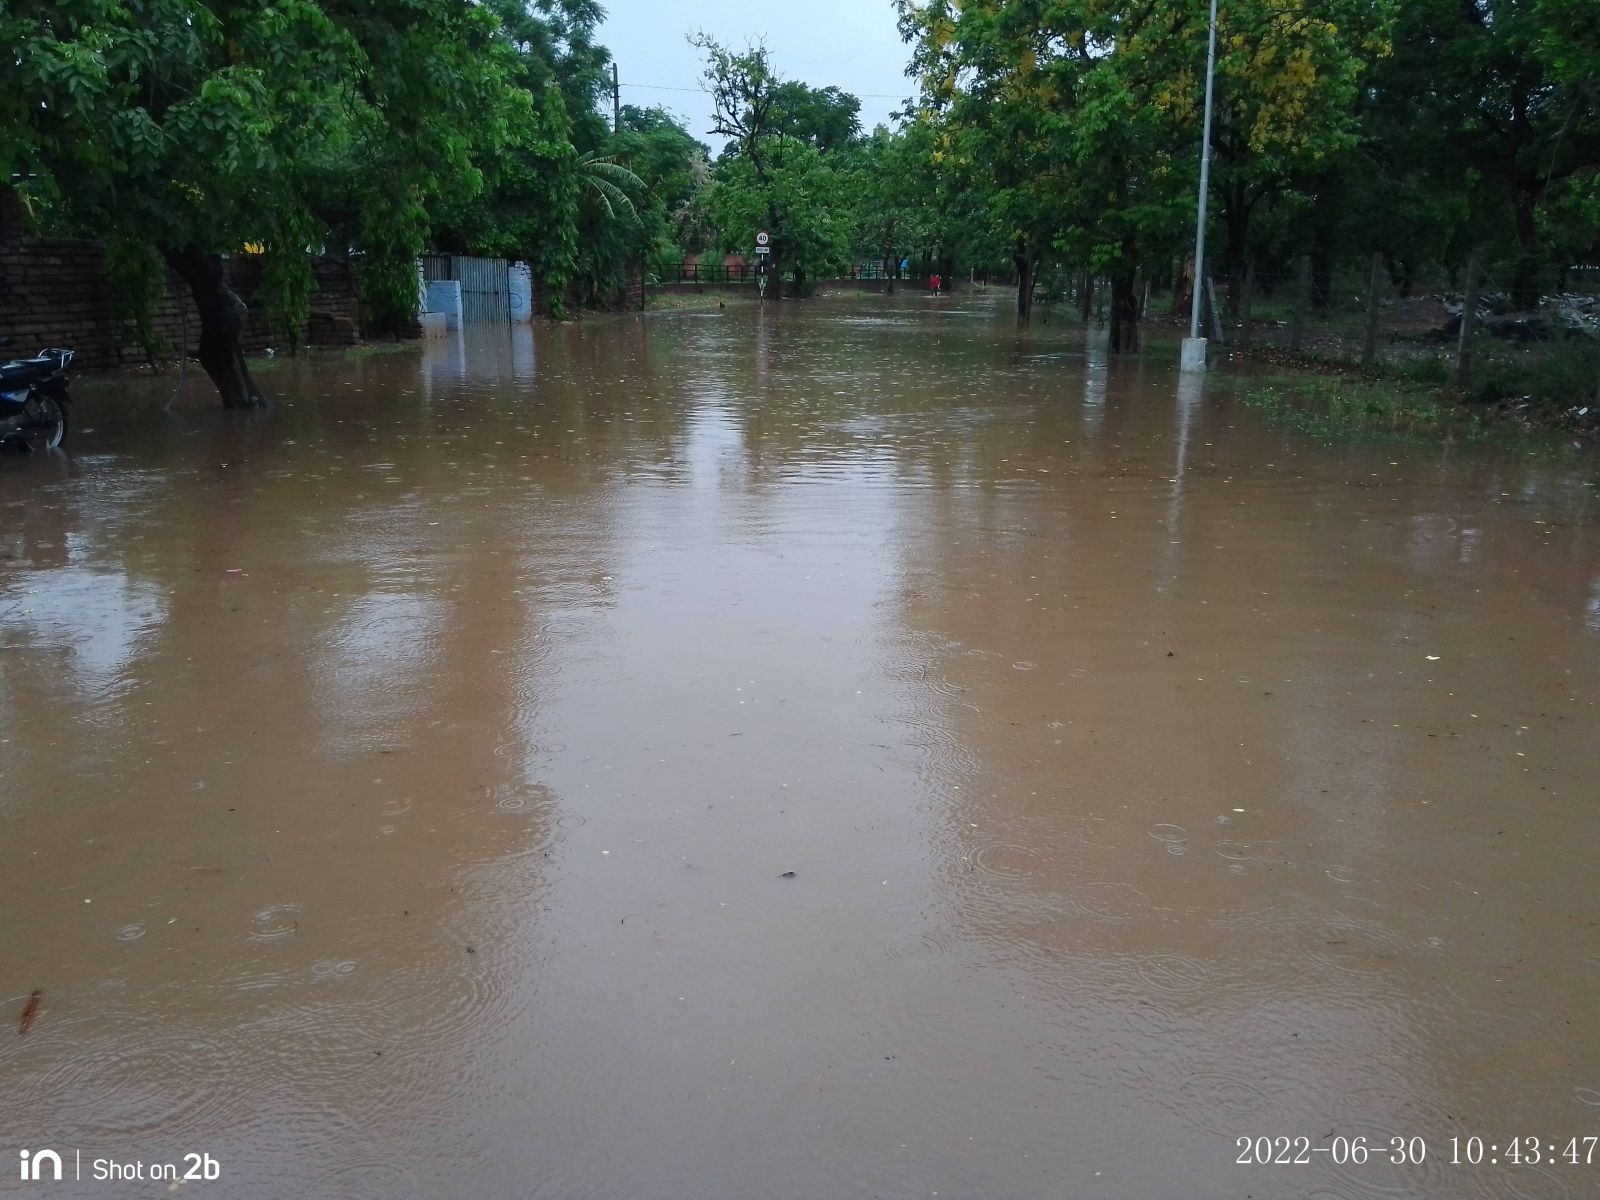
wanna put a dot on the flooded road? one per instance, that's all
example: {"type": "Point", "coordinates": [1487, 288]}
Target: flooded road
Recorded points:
{"type": "Point", "coordinates": [841, 751]}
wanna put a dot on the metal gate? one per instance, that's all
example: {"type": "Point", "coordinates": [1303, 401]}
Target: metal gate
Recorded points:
{"type": "Point", "coordinates": [485, 284]}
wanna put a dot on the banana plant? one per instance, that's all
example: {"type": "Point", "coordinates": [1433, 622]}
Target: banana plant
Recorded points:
{"type": "Point", "coordinates": [612, 184]}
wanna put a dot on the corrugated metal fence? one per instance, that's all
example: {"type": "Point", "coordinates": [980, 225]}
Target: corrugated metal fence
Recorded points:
{"type": "Point", "coordinates": [485, 284]}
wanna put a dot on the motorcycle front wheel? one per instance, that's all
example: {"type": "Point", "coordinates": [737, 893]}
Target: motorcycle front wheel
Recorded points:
{"type": "Point", "coordinates": [44, 422]}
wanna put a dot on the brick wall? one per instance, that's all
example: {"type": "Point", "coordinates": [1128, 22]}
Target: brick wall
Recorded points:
{"type": "Point", "coordinates": [54, 292]}
{"type": "Point", "coordinates": [632, 297]}
{"type": "Point", "coordinates": [627, 298]}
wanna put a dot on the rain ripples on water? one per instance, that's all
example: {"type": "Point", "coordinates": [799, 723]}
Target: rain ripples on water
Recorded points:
{"type": "Point", "coordinates": [848, 748]}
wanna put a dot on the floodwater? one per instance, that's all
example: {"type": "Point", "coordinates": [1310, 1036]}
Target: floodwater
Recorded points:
{"type": "Point", "coordinates": [400, 790]}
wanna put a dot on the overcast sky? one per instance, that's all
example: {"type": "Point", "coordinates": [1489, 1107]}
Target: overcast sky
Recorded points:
{"type": "Point", "coordinates": [853, 44]}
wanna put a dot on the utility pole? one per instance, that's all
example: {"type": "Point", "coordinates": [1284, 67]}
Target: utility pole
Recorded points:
{"type": "Point", "coordinates": [616, 100]}
{"type": "Point", "coordinates": [1193, 357]}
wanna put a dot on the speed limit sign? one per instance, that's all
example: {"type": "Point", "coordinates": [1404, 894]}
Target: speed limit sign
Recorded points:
{"type": "Point", "coordinates": [763, 238]}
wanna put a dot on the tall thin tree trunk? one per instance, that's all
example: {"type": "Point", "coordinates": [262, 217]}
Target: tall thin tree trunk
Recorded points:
{"type": "Point", "coordinates": [1237, 250]}
{"type": "Point", "coordinates": [222, 317]}
{"type": "Point", "coordinates": [1183, 288]}
{"type": "Point", "coordinates": [1302, 305]}
{"type": "Point", "coordinates": [1247, 304]}
{"type": "Point", "coordinates": [1525, 277]}
{"type": "Point", "coordinates": [1219, 333]}
{"type": "Point", "coordinates": [1086, 297]}
{"type": "Point", "coordinates": [1369, 342]}
{"type": "Point", "coordinates": [1326, 218]}
{"type": "Point", "coordinates": [1024, 263]}
{"type": "Point", "coordinates": [1469, 315]}
{"type": "Point", "coordinates": [1124, 312]}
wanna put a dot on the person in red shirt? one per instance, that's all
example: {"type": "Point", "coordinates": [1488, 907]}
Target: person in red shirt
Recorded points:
{"type": "Point", "coordinates": [933, 282]}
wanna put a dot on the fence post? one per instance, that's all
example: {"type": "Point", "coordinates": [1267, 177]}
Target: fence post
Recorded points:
{"type": "Point", "coordinates": [1302, 305]}
{"type": "Point", "coordinates": [1369, 343]}
{"type": "Point", "coordinates": [1469, 315]}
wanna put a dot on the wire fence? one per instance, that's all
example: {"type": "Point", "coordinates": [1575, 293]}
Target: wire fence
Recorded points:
{"type": "Point", "coordinates": [700, 272]}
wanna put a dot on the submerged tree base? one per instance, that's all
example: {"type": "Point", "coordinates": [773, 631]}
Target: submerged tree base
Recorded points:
{"type": "Point", "coordinates": [222, 317]}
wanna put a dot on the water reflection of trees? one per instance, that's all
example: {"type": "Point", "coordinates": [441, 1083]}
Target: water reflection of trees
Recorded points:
{"type": "Point", "coordinates": [302, 711]}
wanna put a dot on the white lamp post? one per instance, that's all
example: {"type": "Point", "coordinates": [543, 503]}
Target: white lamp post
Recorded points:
{"type": "Point", "coordinates": [1194, 346]}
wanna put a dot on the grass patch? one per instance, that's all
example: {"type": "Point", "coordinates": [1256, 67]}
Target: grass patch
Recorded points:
{"type": "Point", "coordinates": [1347, 409]}
{"type": "Point", "coordinates": [670, 302]}
{"type": "Point", "coordinates": [1557, 376]}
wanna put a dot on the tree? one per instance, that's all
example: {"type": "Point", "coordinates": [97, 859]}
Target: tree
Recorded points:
{"type": "Point", "coordinates": [744, 97]}
{"type": "Point", "coordinates": [665, 156]}
{"type": "Point", "coordinates": [1496, 102]}
{"type": "Point", "coordinates": [1287, 108]}
{"type": "Point", "coordinates": [1079, 120]}
{"type": "Point", "coordinates": [1569, 47]}
{"type": "Point", "coordinates": [183, 130]}
{"type": "Point", "coordinates": [1055, 105]}
{"type": "Point", "coordinates": [828, 118]}
{"type": "Point", "coordinates": [889, 177]}
{"type": "Point", "coordinates": [671, 168]}
{"type": "Point", "coordinates": [799, 184]}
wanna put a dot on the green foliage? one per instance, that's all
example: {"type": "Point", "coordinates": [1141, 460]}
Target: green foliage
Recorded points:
{"type": "Point", "coordinates": [529, 206]}
{"type": "Point", "coordinates": [827, 118]}
{"type": "Point", "coordinates": [897, 211]}
{"type": "Point", "coordinates": [391, 235]}
{"type": "Point", "coordinates": [1342, 409]}
{"type": "Point", "coordinates": [138, 281]}
{"type": "Point", "coordinates": [185, 126]}
{"type": "Point", "coordinates": [802, 188]}
{"type": "Point", "coordinates": [1555, 378]}
{"type": "Point", "coordinates": [1078, 121]}
{"type": "Point", "coordinates": [1481, 133]}
{"type": "Point", "coordinates": [778, 171]}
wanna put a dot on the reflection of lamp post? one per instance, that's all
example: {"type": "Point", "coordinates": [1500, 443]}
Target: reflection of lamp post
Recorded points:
{"type": "Point", "coordinates": [1194, 346]}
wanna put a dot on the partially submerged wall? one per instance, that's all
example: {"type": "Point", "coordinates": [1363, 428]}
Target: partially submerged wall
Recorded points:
{"type": "Point", "coordinates": [56, 292]}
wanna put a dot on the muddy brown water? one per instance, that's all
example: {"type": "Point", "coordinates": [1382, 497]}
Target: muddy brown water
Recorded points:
{"type": "Point", "coordinates": [398, 788]}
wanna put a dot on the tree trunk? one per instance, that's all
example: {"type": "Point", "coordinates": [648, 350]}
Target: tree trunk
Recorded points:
{"type": "Point", "coordinates": [1024, 262]}
{"type": "Point", "coordinates": [1183, 288]}
{"type": "Point", "coordinates": [1219, 334]}
{"type": "Point", "coordinates": [1086, 297]}
{"type": "Point", "coordinates": [1406, 280]}
{"type": "Point", "coordinates": [1238, 227]}
{"type": "Point", "coordinates": [1326, 220]}
{"type": "Point", "coordinates": [1302, 305]}
{"type": "Point", "coordinates": [1525, 278]}
{"type": "Point", "coordinates": [1469, 314]}
{"type": "Point", "coordinates": [1247, 305]}
{"type": "Point", "coordinates": [1369, 341]}
{"type": "Point", "coordinates": [1124, 312]}
{"type": "Point", "coordinates": [222, 316]}
{"type": "Point", "coordinates": [798, 283]}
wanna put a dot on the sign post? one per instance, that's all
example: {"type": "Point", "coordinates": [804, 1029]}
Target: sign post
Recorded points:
{"type": "Point", "coordinates": [763, 260]}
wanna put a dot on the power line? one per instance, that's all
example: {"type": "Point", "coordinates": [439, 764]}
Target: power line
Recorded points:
{"type": "Point", "coordinates": [661, 87]}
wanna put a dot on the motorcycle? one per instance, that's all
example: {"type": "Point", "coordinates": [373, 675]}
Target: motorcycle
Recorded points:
{"type": "Point", "coordinates": [33, 401]}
